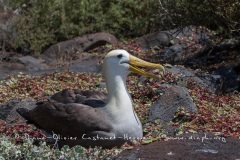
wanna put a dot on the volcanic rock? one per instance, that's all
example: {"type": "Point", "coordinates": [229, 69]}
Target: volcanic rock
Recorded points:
{"type": "Point", "coordinates": [68, 49]}
{"type": "Point", "coordinates": [166, 38]}
{"type": "Point", "coordinates": [169, 103]}
{"type": "Point", "coordinates": [200, 146]}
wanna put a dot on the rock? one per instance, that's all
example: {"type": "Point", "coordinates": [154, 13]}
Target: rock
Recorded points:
{"type": "Point", "coordinates": [35, 67]}
{"type": "Point", "coordinates": [202, 146]}
{"type": "Point", "coordinates": [90, 65]}
{"type": "Point", "coordinates": [32, 63]}
{"type": "Point", "coordinates": [6, 109]}
{"type": "Point", "coordinates": [231, 79]}
{"type": "Point", "coordinates": [69, 48]}
{"type": "Point", "coordinates": [29, 60]}
{"type": "Point", "coordinates": [221, 81]}
{"type": "Point", "coordinates": [179, 46]}
{"type": "Point", "coordinates": [10, 68]}
{"type": "Point", "coordinates": [13, 63]}
{"type": "Point", "coordinates": [179, 53]}
{"type": "Point", "coordinates": [8, 56]}
{"type": "Point", "coordinates": [165, 38]}
{"type": "Point", "coordinates": [154, 40]}
{"type": "Point", "coordinates": [174, 54]}
{"type": "Point", "coordinates": [216, 57]}
{"type": "Point", "coordinates": [193, 47]}
{"type": "Point", "coordinates": [213, 82]}
{"type": "Point", "coordinates": [87, 65]}
{"type": "Point", "coordinates": [169, 103]}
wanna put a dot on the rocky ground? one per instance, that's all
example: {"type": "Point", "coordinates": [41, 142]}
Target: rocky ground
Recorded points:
{"type": "Point", "coordinates": [213, 78]}
{"type": "Point", "coordinates": [201, 146]}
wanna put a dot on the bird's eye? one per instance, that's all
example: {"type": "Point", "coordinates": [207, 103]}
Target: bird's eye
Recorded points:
{"type": "Point", "coordinates": [119, 56]}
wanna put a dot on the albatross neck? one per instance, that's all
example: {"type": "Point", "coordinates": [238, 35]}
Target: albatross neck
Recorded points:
{"type": "Point", "coordinates": [118, 96]}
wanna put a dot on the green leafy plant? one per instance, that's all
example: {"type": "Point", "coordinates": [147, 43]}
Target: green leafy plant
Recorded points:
{"type": "Point", "coordinates": [43, 23]}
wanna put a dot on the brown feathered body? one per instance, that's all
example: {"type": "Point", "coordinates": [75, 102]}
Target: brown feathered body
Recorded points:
{"type": "Point", "coordinates": [75, 117]}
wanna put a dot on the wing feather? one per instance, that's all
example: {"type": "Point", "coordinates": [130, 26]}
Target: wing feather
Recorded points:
{"type": "Point", "coordinates": [70, 119]}
{"type": "Point", "coordinates": [68, 114]}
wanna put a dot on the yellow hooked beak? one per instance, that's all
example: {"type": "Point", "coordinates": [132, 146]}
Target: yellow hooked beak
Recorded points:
{"type": "Point", "coordinates": [134, 62]}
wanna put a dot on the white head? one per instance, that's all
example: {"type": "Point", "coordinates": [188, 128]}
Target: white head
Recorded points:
{"type": "Point", "coordinates": [120, 62]}
{"type": "Point", "coordinates": [116, 62]}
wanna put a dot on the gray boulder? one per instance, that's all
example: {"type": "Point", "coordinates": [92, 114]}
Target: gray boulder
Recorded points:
{"type": "Point", "coordinates": [9, 114]}
{"type": "Point", "coordinates": [169, 103]}
{"type": "Point", "coordinates": [221, 81]}
{"type": "Point", "coordinates": [174, 54]}
{"type": "Point", "coordinates": [154, 40]}
{"type": "Point", "coordinates": [200, 146]}
{"type": "Point", "coordinates": [32, 63]}
{"type": "Point", "coordinates": [231, 79]}
{"type": "Point", "coordinates": [68, 49]}
{"type": "Point", "coordinates": [165, 38]}
{"type": "Point", "coordinates": [6, 109]}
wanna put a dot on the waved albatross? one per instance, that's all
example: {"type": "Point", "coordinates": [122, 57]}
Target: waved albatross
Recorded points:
{"type": "Point", "coordinates": [91, 118]}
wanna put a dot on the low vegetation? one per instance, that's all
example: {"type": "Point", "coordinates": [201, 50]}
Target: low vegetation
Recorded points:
{"type": "Point", "coordinates": [218, 114]}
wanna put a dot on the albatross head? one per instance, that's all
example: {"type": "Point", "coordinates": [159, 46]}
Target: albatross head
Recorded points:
{"type": "Point", "coordinates": [120, 62]}
{"type": "Point", "coordinates": [117, 64]}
